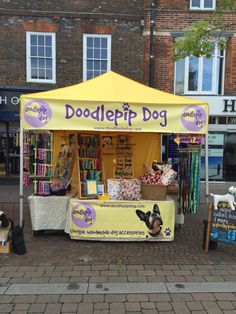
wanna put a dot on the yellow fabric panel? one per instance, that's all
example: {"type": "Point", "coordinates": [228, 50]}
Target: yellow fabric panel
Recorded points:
{"type": "Point", "coordinates": [58, 138]}
{"type": "Point", "coordinates": [113, 87]}
{"type": "Point", "coordinates": [146, 148]}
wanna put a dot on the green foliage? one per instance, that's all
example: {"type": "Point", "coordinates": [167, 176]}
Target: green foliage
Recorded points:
{"type": "Point", "coordinates": [198, 40]}
{"type": "Point", "coordinates": [227, 5]}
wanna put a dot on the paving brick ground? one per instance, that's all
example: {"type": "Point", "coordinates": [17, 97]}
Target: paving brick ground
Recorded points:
{"type": "Point", "coordinates": [55, 258]}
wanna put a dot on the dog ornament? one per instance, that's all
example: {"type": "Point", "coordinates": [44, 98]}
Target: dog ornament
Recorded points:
{"type": "Point", "coordinates": [226, 198]}
{"type": "Point", "coordinates": [5, 226]}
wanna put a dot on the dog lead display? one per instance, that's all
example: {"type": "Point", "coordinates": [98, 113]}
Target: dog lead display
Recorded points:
{"type": "Point", "coordinates": [189, 177]}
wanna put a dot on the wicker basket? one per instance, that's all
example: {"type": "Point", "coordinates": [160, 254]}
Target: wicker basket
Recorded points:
{"type": "Point", "coordinates": [172, 189]}
{"type": "Point", "coordinates": [153, 192]}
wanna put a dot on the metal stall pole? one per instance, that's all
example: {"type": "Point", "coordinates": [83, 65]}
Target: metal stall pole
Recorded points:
{"type": "Point", "coordinates": [206, 168]}
{"type": "Point", "coordinates": [21, 196]}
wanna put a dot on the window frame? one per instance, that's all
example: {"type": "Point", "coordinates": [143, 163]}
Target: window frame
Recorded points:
{"type": "Point", "coordinates": [201, 7]}
{"type": "Point", "coordinates": [28, 57]}
{"type": "Point", "coordinates": [215, 82]}
{"type": "Point", "coordinates": [85, 37]}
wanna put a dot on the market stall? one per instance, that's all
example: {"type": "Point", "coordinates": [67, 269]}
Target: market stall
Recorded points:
{"type": "Point", "coordinates": [95, 140]}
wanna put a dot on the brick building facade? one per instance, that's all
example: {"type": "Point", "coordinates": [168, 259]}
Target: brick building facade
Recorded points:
{"type": "Point", "coordinates": [212, 80]}
{"type": "Point", "coordinates": [126, 26]}
{"type": "Point", "coordinates": [118, 23]}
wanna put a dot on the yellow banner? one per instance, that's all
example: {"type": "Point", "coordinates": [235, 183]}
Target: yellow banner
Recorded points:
{"type": "Point", "coordinates": [128, 117]}
{"type": "Point", "coordinates": [122, 220]}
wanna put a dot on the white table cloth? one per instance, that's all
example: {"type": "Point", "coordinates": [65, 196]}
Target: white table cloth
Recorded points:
{"type": "Point", "coordinates": [48, 213]}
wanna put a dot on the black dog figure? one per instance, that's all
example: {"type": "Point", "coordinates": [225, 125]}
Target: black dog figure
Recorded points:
{"type": "Point", "coordinates": [5, 228]}
{"type": "Point", "coordinates": [4, 222]}
{"type": "Point", "coordinates": [152, 220]}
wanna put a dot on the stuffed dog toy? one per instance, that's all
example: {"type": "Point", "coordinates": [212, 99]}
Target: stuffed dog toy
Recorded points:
{"type": "Point", "coordinates": [227, 198]}
{"type": "Point", "coordinates": [152, 220]}
{"type": "Point", "coordinates": [5, 227]}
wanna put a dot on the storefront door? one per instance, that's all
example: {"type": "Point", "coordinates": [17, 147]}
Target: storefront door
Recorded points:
{"type": "Point", "coordinates": [230, 157]}
{"type": "Point", "coordinates": [9, 149]}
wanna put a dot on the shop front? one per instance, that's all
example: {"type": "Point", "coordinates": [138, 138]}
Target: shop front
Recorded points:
{"type": "Point", "coordinates": [92, 143]}
{"type": "Point", "coordinates": [9, 130]}
{"type": "Point", "coordinates": [221, 138]}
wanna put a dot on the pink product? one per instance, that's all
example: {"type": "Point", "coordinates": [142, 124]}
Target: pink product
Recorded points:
{"type": "Point", "coordinates": [26, 163]}
{"type": "Point", "coordinates": [25, 149]}
{"type": "Point", "coordinates": [26, 179]}
{"type": "Point", "coordinates": [151, 178]}
{"type": "Point", "coordinates": [43, 188]}
{"type": "Point", "coordinates": [130, 189]}
{"type": "Point", "coordinates": [42, 154]}
{"type": "Point", "coordinates": [56, 186]}
{"type": "Point", "coordinates": [42, 170]}
{"type": "Point", "coordinates": [168, 178]}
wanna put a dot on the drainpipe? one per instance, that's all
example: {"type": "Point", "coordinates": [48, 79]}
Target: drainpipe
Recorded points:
{"type": "Point", "coordinates": [153, 9]}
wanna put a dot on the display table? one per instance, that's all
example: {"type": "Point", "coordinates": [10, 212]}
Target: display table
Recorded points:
{"type": "Point", "coordinates": [121, 220]}
{"type": "Point", "coordinates": [48, 213]}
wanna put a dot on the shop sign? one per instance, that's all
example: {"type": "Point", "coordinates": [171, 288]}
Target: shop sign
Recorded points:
{"type": "Point", "coordinates": [10, 103]}
{"type": "Point", "coordinates": [229, 105]}
{"type": "Point", "coordinates": [219, 105]}
{"type": "Point", "coordinates": [8, 99]}
{"type": "Point", "coordinates": [120, 220]}
{"type": "Point", "coordinates": [223, 226]}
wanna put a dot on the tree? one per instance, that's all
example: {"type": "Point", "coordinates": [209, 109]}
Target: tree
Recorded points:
{"type": "Point", "coordinates": [197, 41]}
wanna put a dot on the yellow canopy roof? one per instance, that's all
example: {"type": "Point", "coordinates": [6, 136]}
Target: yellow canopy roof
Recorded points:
{"type": "Point", "coordinates": [112, 102]}
{"type": "Point", "coordinates": [113, 87]}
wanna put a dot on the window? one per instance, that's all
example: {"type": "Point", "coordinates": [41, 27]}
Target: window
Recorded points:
{"type": "Point", "coordinates": [41, 57]}
{"type": "Point", "coordinates": [202, 4]}
{"type": "Point", "coordinates": [200, 75]}
{"type": "Point", "coordinates": [96, 55]}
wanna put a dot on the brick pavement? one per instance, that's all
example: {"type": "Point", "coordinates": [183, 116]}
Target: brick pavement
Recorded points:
{"type": "Point", "coordinates": [55, 258]}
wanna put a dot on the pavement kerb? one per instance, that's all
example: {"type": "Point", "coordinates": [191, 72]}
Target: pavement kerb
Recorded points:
{"type": "Point", "coordinates": [118, 288]}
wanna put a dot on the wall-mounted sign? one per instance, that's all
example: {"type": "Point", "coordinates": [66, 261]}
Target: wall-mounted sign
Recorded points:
{"type": "Point", "coordinates": [10, 103]}
{"type": "Point", "coordinates": [219, 105]}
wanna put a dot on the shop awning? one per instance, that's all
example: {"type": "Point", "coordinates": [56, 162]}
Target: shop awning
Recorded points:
{"type": "Point", "coordinates": [112, 102]}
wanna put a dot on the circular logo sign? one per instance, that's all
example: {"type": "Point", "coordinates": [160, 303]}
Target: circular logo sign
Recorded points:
{"type": "Point", "coordinates": [37, 113]}
{"type": "Point", "coordinates": [83, 215]}
{"type": "Point", "coordinates": [193, 118]}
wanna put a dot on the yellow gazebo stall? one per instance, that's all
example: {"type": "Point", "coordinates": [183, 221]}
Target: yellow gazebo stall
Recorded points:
{"type": "Point", "coordinates": [118, 113]}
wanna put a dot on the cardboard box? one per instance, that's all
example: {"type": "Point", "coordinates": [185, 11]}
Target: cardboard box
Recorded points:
{"type": "Point", "coordinates": [5, 249]}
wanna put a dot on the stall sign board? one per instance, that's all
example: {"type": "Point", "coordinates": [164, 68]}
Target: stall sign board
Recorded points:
{"type": "Point", "coordinates": [223, 227]}
{"type": "Point", "coordinates": [95, 116]}
{"type": "Point", "coordinates": [94, 219]}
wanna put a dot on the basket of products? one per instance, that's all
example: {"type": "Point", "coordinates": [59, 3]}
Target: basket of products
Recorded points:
{"type": "Point", "coordinates": [172, 189]}
{"type": "Point", "coordinates": [153, 191]}
{"type": "Point", "coordinates": [156, 180]}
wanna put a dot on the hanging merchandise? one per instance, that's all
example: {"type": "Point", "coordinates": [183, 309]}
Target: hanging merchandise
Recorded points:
{"type": "Point", "coordinates": [26, 161]}
{"type": "Point", "coordinates": [42, 163]}
{"type": "Point", "coordinates": [189, 177]}
{"type": "Point", "coordinates": [89, 162]}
